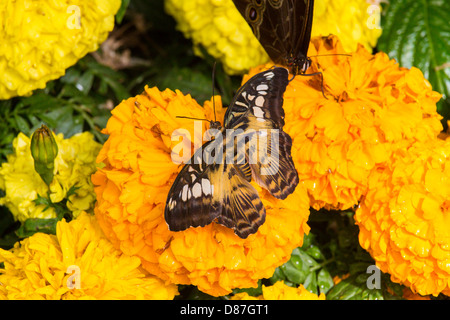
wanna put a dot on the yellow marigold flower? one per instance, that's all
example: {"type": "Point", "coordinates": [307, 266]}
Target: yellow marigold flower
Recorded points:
{"type": "Point", "coordinates": [77, 263]}
{"type": "Point", "coordinates": [73, 166]}
{"type": "Point", "coordinates": [132, 189]}
{"type": "Point", "coordinates": [354, 22]}
{"type": "Point", "coordinates": [41, 39]}
{"type": "Point", "coordinates": [218, 26]}
{"type": "Point", "coordinates": [404, 218]}
{"type": "Point", "coordinates": [371, 104]}
{"type": "Point", "coordinates": [281, 291]}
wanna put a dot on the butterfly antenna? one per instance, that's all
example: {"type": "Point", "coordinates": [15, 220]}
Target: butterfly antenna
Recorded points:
{"type": "Point", "coordinates": [213, 79]}
{"type": "Point", "coordinates": [184, 117]}
{"type": "Point", "coordinates": [214, 104]}
{"type": "Point", "coordinates": [332, 54]}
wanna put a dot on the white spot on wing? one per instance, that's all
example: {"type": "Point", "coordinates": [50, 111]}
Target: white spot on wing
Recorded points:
{"type": "Point", "coordinates": [258, 112]}
{"type": "Point", "coordinates": [197, 190]}
{"type": "Point", "coordinates": [262, 87]}
{"type": "Point", "coordinates": [172, 204]}
{"type": "Point", "coordinates": [269, 75]}
{"type": "Point", "coordinates": [259, 101]}
{"type": "Point", "coordinates": [206, 186]}
{"type": "Point", "coordinates": [184, 192]}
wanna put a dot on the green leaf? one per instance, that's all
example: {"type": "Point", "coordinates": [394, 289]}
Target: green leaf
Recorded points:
{"type": "Point", "coordinates": [293, 270]}
{"type": "Point", "coordinates": [85, 82]}
{"type": "Point", "coordinates": [119, 90]}
{"type": "Point", "coordinates": [39, 102]}
{"type": "Point", "coordinates": [196, 83]}
{"type": "Point", "coordinates": [324, 281]}
{"type": "Point", "coordinates": [347, 289]}
{"type": "Point", "coordinates": [42, 200]}
{"type": "Point", "coordinates": [416, 33]}
{"type": "Point", "coordinates": [278, 275]}
{"type": "Point", "coordinates": [310, 283]}
{"type": "Point", "coordinates": [72, 191]}
{"type": "Point", "coordinates": [62, 120]}
{"type": "Point", "coordinates": [356, 287]}
{"type": "Point", "coordinates": [315, 253]}
{"type": "Point", "coordinates": [123, 8]}
{"type": "Point", "coordinates": [22, 124]}
{"type": "Point", "coordinates": [254, 292]}
{"type": "Point", "coordinates": [31, 226]}
{"type": "Point", "coordinates": [7, 227]}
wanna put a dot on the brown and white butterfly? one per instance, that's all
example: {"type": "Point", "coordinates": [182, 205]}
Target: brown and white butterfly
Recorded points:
{"type": "Point", "coordinates": [283, 27]}
{"type": "Point", "coordinates": [215, 184]}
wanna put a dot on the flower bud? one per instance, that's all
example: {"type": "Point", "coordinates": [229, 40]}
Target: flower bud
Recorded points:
{"type": "Point", "coordinates": [44, 151]}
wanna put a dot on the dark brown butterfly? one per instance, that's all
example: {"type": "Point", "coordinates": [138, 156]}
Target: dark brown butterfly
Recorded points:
{"type": "Point", "coordinates": [215, 184]}
{"type": "Point", "coordinates": [283, 27]}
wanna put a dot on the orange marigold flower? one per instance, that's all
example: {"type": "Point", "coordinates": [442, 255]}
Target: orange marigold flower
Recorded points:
{"type": "Point", "coordinates": [132, 188]}
{"type": "Point", "coordinates": [404, 219]}
{"type": "Point", "coordinates": [371, 104]}
{"type": "Point", "coordinates": [281, 291]}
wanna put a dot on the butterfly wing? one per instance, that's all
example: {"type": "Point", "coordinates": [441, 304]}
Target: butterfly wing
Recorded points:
{"type": "Point", "coordinates": [257, 111]}
{"type": "Point", "coordinates": [208, 189]}
{"type": "Point", "coordinates": [275, 170]}
{"type": "Point", "coordinates": [304, 11]}
{"type": "Point", "coordinates": [211, 190]}
{"type": "Point", "coordinates": [242, 208]}
{"type": "Point", "coordinates": [283, 27]}
{"type": "Point", "coordinates": [193, 198]}
{"type": "Point", "coordinates": [260, 97]}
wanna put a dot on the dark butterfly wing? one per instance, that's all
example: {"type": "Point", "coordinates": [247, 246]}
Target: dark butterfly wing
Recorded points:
{"type": "Point", "coordinates": [258, 113]}
{"type": "Point", "coordinates": [301, 46]}
{"type": "Point", "coordinates": [283, 27]}
{"type": "Point", "coordinates": [261, 97]}
{"type": "Point", "coordinates": [194, 198]}
{"type": "Point", "coordinates": [208, 189]}
{"type": "Point", "coordinates": [207, 192]}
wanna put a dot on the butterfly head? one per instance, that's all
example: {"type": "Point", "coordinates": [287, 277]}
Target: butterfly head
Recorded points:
{"type": "Point", "coordinates": [298, 65]}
